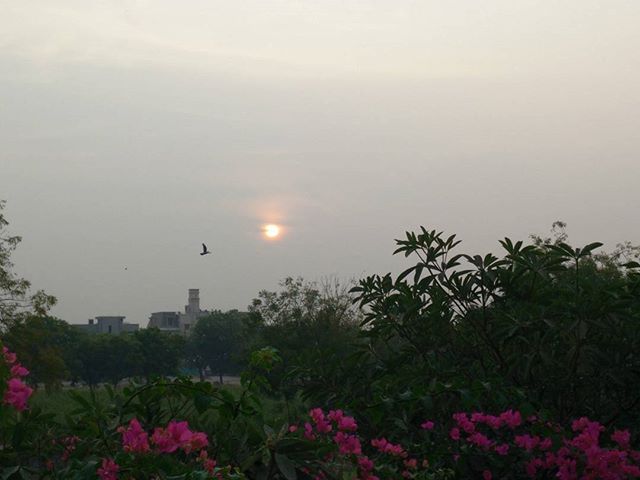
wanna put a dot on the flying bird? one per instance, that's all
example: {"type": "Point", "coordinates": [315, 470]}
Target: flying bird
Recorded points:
{"type": "Point", "coordinates": [204, 250]}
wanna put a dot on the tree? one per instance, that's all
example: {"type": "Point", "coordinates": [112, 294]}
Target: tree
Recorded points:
{"type": "Point", "coordinates": [160, 352]}
{"type": "Point", "coordinates": [314, 327]}
{"type": "Point", "coordinates": [48, 345]}
{"type": "Point", "coordinates": [14, 290]}
{"type": "Point", "coordinates": [216, 342]}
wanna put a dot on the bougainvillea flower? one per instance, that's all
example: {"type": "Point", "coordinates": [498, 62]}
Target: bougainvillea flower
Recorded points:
{"type": "Point", "coordinates": [17, 394]}
{"type": "Point", "coordinates": [134, 438]}
{"type": "Point", "coordinates": [108, 470]}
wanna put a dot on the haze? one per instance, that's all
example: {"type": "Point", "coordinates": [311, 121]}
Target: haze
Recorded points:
{"type": "Point", "coordinates": [133, 131]}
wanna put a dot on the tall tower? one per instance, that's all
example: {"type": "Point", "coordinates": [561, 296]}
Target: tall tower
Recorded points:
{"type": "Point", "coordinates": [194, 302]}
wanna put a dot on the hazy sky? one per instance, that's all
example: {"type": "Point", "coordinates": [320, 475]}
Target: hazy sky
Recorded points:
{"type": "Point", "coordinates": [132, 131]}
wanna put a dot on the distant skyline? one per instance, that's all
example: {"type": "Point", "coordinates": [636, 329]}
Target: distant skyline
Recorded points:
{"type": "Point", "coordinates": [134, 131]}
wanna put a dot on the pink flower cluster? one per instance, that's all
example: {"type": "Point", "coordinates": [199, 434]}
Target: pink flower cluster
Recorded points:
{"type": "Point", "coordinates": [385, 446]}
{"type": "Point", "coordinates": [345, 437]}
{"type": "Point", "coordinates": [209, 464]}
{"type": "Point", "coordinates": [134, 438]}
{"type": "Point", "coordinates": [176, 436]}
{"type": "Point", "coordinates": [581, 456]}
{"type": "Point", "coordinates": [17, 393]}
{"type": "Point", "coordinates": [349, 444]}
{"type": "Point", "coordinates": [468, 425]}
{"type": "Point", "coordinates": [108, 470]}
{"type": "Point", "coordinates": [530, 444]}
{"type": "Point", "coordinates": [324, 424]}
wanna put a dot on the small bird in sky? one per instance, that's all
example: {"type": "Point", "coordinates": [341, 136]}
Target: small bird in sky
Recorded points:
{"type": "Point", "coordinates": [204, 250]}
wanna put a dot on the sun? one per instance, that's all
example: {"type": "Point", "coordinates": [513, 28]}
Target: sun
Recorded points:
{"type": "Point", "coordinates": [271, 230]}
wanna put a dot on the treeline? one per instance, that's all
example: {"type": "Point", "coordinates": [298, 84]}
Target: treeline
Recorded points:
{"type": "Point", "coordinates": [303, 321]}
{"type": "Point", "coordinates": [57, 352]}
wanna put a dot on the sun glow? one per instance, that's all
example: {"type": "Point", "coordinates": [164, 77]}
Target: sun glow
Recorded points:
{"type": "Point", "coordinates": [271, 230]}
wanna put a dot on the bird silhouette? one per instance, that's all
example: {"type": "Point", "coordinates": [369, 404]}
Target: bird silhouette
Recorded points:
{"type": "Point", "coordinates": [204, 250]}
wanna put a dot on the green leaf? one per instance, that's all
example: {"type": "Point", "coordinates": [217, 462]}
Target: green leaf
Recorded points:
{"type": "Point", "coordinates": [587, 249]}
{"type": "Point", "coordinates": [7, 472]}
{"type": "Point", "coordinates": [286, 467]}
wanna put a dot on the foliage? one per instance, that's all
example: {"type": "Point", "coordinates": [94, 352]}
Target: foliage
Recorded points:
{"type": "Point", "coordinates": [545, 324]}
{"type": "Point", "coordinates": [160, 353]}
{"type": "Point", "coordinates": [46, 343]}
{"type": "Point", "coordinates": [14, 290]}
{"type": "Point", "coordinates": [111, 358]}
{"type": "Point", "coordinates": [185, 430]}
{"type": "Point", "coordinates": [216, 342]}
{"type": "Point", "coordinates": [312, 326]}
{"type": "Point", "coordinates": [107, 358]}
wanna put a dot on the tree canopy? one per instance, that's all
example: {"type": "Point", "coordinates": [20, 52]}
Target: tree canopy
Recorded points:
{"type": "Point", "coordinates": [15, 297]}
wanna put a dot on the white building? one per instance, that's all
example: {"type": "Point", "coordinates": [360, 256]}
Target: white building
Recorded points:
{"type": "Point", "coordinates": [113, 325]}
{"type": "Point", "coordinates": [178, 322]}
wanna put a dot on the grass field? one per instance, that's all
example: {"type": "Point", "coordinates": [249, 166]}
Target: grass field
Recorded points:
{"type": "Point", "coordinates": [61, 403]}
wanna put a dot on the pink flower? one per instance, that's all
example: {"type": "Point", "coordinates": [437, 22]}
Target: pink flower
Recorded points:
{"type": "Point", "coordinates": [527, 442]}
{"type": "Point", "coordinates": [428, 425]}
{"type": "Point", "coordinates": [347, 424]}
{"type": "Point", "coordinates": [293, 428]}
{"type": "Point", "coordinates": [622, 438]}
{"type": "Point", "coordinates": [334, 415]}
{"type": "Point", "coordinates": [365, 464]}
{"type": "Point", "coordinates": [9, 357]}
{"type": "Point", "coordinates": [493, 421]}
{"type": "Point", "coordinates": [164, 442]}
{"type": "Point", "coordinates": [486, 475]}
{"type": "Point", "coordinates": [173, 437]}
{"type": "Point", "coordinates": [348, 443]}
{"type": "Point", "coordinates": [108, 470]}
{"type": "Point", "coordinates": [545, 444]}
{"type": "Point", "coordinates": [411, 463]}
{"type": "Point", "coordinates": [455, 433]}
{"type": "Point", "coordinates": [502, 449]}
{"type": "Point", "coordinates": [198, 441]}
{"type": "Point", "coordinates": [480, 440]}
{"type": "Point", "coordinates": [384, 446]}
{"type": "Point", "coordinates": [511, 419]}
{"type": "Point", "coordinates": [308, 431]}
{"type": "Point", "coordinates": [532, 466]}
{"type": "Point", "coordinates": [177, 435]}
{"type": "Point", "coordinates": [134, 438]}
{"type": "Point", "coordinates": [17, 394]}
{"type": "Point", "coordinates": [464, 423]}
{"type": "Point", "coordinates": [209, 464]}
{"type": "Point", "coordinates": [322, 425]}
{"type": "Point", "coordinates": [478, 417]}
{"type": "Point", "coordinates": [19, 371]}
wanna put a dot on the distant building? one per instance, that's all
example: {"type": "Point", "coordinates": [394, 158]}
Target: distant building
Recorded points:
{"type": "Point", "coordinates": [177, 322]}
{"type": "Point", "coordinates": [165, 321]}
{"type": "Point", "coordinates": [113, 325]}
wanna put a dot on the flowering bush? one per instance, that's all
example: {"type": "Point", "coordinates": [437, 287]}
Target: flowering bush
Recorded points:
{"type": "Point", "coordinates": [16, 393]}
{"type": "Point", "coordinates": [127, 439]}
{"type": "Point", "coordinates": [477, 445]}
